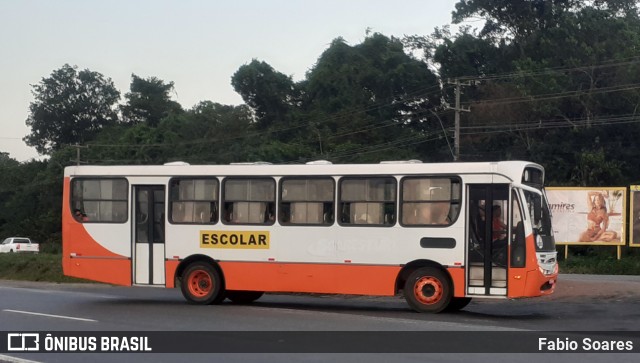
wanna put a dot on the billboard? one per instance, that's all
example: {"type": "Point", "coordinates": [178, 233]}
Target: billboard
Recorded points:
{"type": "Point", "coordinates": [634, 221]}
{"type": "Point", "coordinates": [593, 216]}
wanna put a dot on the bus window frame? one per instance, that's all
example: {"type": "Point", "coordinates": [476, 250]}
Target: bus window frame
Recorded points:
{"type": "Point", "coordinates": [459, 201]}
{"type": "Point", "coordinates": [339, 200]}
{"type": "Point", "coordinates": [301, 177]}
{"type": "Point", "coordinates": [171, 200]}
{"type": "Point", "coordinates": [223, 201]}
{"type": "Point", "coordinates": [93, 178]}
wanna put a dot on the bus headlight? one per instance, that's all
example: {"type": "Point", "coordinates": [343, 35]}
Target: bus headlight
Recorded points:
{"type": "Point", "coordinates": [547, 262]}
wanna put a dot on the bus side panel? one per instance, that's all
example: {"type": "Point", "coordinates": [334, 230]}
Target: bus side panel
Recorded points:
{"type": "Point", "coordinates": [457, 277]}
{"type": "Point", "coordinates": [84, 257]}
{"type": "Point", "coordinates": [95, 269]}
{"type": "Point", "coordinates": [316, 278]}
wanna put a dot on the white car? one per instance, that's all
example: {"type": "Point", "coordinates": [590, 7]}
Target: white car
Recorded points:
{"type": "Point", "coordinates": [19, 244]}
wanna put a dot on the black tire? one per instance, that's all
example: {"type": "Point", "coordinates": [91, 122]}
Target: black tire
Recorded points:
{"type": "Point", "coordinates": [202, 284]}
{"type": "Point", "coordinates": [428, 290]}
{"type": "Point", "coordinates": [243, 297]}
{"type": "Point", "coordinates": [457, 303]}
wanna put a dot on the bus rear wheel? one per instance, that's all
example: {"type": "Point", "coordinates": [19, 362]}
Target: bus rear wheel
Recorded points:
{"type": "Point", "coordinates": [202, 284]}
{"type": "Point", "coordinates": [428, 290]}
{"type": "Point", "coordinates": [244, 297]}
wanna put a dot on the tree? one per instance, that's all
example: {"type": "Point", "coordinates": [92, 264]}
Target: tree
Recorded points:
{"type": "Point", "coordinates": [9, 182]}
{"type": "Point", "coordinates": [148, 101]}
{"type": "Point", "coordinates": [28, 195]}
{"type": "Point", "coordinates": [366, 102]}
{"type": "Point", "coordinates": [518, 21]}
{"type": "Point", "coordinates": [556, 82]}
{"type": "Point", "coordinates": [70, 107]}
{"type": "Point", "coordinates": [269, 93]}
{"type": "Point", "coordinates": [369, 102]}
{"type": "Point", "coordinates": [210, 133]}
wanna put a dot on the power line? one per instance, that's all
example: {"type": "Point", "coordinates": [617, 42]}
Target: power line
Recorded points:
{"type": "Point", "coordinates": [387, 123]}
{"type": "Point", "coordinates": [306, 123]}
{"type": "Point", "coordinates": [550, 124]}
{"type": "Point", "coordinates": [423, 94]}
{"type": "Point", "coordinates": [556, 95]}
{"type": "Point", "coordinates": [553, 70]}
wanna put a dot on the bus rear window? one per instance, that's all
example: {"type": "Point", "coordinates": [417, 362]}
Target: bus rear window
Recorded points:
{"type": "Point", "coordinates": [99, 200]}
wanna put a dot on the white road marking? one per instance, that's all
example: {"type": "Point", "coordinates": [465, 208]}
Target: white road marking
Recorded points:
{"type": "Point", "coordinates": [60, 292]}
{"type": "Point", "coordinates": [8, 358]}
{"type": "Point", "coordinates": [49, 315]}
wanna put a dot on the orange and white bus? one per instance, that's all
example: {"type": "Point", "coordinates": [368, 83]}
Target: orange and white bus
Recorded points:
{"type": "Point", "coordinates": [441, 234]}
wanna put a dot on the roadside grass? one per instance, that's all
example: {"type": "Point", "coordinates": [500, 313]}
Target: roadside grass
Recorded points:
{"type": "Point", "coordinates": [33, 267]}
{"type": "Point", "coordinates": [599, 260]}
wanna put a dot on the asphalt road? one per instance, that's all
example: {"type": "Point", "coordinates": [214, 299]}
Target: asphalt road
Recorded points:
{"type": "Point", "coordinates": [591, 304]}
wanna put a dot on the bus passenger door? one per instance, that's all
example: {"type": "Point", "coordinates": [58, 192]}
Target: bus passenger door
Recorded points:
{"type": "Point", "coordinates": [148, 235]}
{"type": "Point", "coordinates": [487, 249]}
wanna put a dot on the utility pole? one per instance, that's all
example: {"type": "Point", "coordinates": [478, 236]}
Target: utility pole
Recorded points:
{"type": "Point", "coordinates": [78, 147]}
{"type": "Point", "coordinates": [457, 109]}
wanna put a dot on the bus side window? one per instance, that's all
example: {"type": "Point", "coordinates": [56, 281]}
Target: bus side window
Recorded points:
{"type": "Point", "coordinates": [315, 213]}
{"type": "Point", "coordinates": [194, 200]}
{"type": "Point", "coordinates": [410, 213]}
{"type": "Point", "coordinates": [305, 200]}
{"type": "Point", "coordinates": [430, 201]}
{"type": "Point", "coordinates": [249, 212]}
{"type": "Point", "coordinates": [307, 213]}
{"type": "Point", "coordinates": [298, 213]}
{"type": "Point", "coordinates": [367, 201]}
{"type": "Point", "coordinates": [327, 213]}
{"type": "Point", "coordinates": [345, 216]}
{"type": "Point", "coordinates": [367, 213]}
{"type": "Point", "coordinates": [240, 212]}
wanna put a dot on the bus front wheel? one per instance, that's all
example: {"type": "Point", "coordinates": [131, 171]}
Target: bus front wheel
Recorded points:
{"type": "Point", "coordinates": [428, 290]}
{"type": "Point", "coordinates": [202, 284]}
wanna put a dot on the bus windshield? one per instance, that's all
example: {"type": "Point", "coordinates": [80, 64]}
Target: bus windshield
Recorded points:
{"type": "Point", "coordinates": [541, 216]}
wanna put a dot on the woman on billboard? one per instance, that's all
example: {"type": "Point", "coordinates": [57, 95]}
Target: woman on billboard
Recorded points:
{"type": "Point", "coordinates": [597, 219]}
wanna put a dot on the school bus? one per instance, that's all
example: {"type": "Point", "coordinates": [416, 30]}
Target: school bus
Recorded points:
{"type": "Point", "coordinates": [439, 233]}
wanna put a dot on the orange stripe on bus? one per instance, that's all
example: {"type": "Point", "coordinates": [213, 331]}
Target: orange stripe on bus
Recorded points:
{"type": "Point", "coordinates": [528, 280]}
{"type": "Point", "coordinates": [457, 277]}
{"type": "Point", "coordinates": [170, 267]}
{"type": "Point", "coordinates": [110, 271]}
{"type": "Point", "coordinates": [317, 278]}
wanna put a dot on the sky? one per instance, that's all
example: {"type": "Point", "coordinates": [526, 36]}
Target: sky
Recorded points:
{"type": "Point", "coordinates": [197, 44]}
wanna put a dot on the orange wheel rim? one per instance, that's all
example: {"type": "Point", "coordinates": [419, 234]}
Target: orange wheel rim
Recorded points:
{"type": "Point", "coordinates": [200, 283]}
{"type": "Point", "coordinates": [428, 290]}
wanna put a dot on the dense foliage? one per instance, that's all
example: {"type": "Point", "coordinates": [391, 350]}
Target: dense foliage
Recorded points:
{"type": "Point", "coordinates": [553, 81]}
